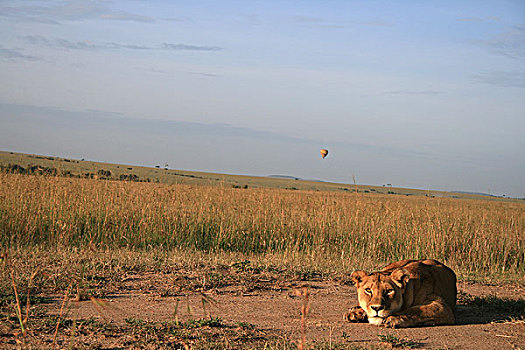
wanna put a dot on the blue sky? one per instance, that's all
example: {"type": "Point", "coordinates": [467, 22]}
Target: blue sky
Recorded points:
{"type": "Point", "coordinates": [419, 94]}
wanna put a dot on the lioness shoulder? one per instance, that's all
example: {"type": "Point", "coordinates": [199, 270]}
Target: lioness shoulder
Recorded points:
{"type": "Point", "coordinates": [404, 294]}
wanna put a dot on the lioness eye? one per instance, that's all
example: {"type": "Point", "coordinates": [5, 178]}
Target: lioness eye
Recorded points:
{"type": "Point", "coordinates": [368, 291]}
{"type": "Point", "coordinates": [390, 292]}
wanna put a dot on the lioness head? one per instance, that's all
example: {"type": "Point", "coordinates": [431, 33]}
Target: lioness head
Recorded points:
{"type": "Point", "coordinates": [380, 294]}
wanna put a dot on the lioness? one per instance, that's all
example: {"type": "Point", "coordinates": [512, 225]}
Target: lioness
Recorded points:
{"type": "Point", "coordinates": [404, 294]}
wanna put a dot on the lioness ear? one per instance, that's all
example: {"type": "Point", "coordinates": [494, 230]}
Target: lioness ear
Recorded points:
{"type": "Point", "coordinates": [357, 276]}
{"type": "Point", "coordinates": [400, 277]}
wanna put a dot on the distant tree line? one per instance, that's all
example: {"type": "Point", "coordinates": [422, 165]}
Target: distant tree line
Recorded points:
{"type": "Point", "coordinates": [33, 170]}
{"type": "Point", "coordinates": [51, 171]}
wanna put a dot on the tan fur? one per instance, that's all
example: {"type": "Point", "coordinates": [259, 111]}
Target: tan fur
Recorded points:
{"type": "Point", "coordinates": [406, 293]}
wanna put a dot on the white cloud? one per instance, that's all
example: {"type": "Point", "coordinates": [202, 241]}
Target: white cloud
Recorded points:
{"type": "Point", "coordinates": [412, 92]}
{"type": "Point", "coordinates": [501, 79]}
{"type": "Point", "coordinates": [167, 46]}
{"type": "Point", "coordinates": [479, 19]}
{"type": "Point", "coordinates": [90, 45]}
{"type": "Point", "coordinates": [73, 10]}
{"type": "Point", "coordinates": [13, 55]}
{"type": "Point", "coordinates": [510, 43]}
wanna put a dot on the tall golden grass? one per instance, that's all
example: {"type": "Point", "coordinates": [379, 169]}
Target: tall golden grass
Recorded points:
{"type": "Point", "coordinates": [340, 229]}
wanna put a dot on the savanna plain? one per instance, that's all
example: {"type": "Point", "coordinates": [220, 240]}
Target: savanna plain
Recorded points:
{"type": "Point", "coordinates": [97, 260]}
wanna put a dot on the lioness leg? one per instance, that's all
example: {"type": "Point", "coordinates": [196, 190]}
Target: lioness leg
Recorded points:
{"type": "Point", "coordinates": [433, 312]}
{"type": "Point", "coordinates": [355, 314]}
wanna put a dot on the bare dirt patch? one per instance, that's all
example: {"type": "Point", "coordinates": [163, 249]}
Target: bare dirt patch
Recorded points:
{"type": "Point", "coordinates": [266, 313]}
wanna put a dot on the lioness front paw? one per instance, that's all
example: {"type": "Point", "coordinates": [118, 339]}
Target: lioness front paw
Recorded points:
{"type": "Point", "coordinates": [355, 314]}
{"type": "Point", "coordinates": [395, 322]}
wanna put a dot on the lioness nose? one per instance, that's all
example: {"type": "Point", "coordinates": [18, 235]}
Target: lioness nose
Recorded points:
{"type": "Point", "coordinates": [377, 308]}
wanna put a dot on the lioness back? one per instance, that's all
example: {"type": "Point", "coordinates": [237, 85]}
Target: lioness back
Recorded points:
{"type": "Point", "coordinates": [433, 274]}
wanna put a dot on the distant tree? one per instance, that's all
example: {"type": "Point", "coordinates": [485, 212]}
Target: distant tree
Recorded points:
{"type": "Point", "coordinates": [104, 173]}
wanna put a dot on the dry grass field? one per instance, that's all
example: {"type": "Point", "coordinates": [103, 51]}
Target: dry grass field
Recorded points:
{"type": "Point", "coordinates": [328, 230]}
{"type": "Point", "coordinates": [86, 240]}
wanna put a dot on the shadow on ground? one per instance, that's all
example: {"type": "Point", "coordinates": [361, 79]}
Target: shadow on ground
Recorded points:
{"type": "Point", "coordinates": [488, 309]}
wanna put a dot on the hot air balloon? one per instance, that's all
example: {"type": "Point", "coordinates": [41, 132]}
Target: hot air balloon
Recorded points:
{"type": "Point", "coordinates": [324, 153]}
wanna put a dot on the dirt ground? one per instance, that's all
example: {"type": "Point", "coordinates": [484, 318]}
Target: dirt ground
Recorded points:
{"type": "Point", "coordinates": [492, 324]}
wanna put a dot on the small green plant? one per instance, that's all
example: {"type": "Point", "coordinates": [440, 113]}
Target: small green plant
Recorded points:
{"type": "Point", "coordinates": [241, 265]}
{"type": "Point", "coordinates": [18, 308]}
{"type": "Point", "coordinates": [207, 322]}
{"type": "Point", "coordinates": [176, 312]}
{"type": "Point", "coordinates": [207, 301]}
{"type": "Point", "coordinates": [245, 325]}
{"type": "Point", "coordinates": [396, 342]}
{"type": "Point", "coordinates": [323, 345]}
